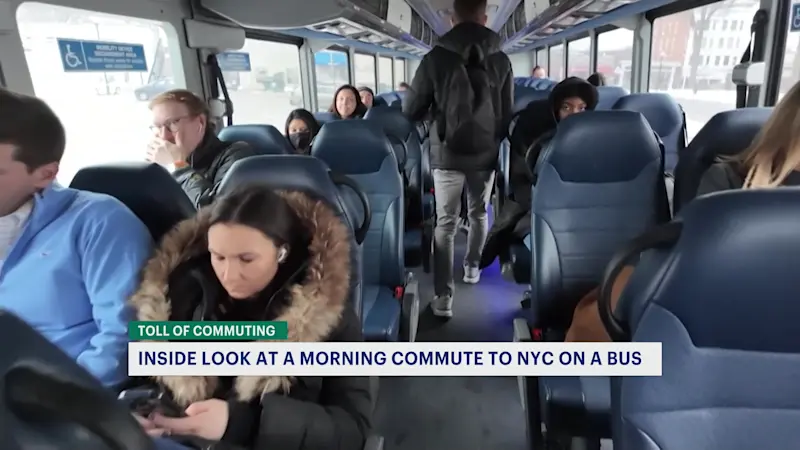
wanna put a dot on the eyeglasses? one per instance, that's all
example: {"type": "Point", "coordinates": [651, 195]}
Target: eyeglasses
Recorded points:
{"type": "Point", "coordinates": [172, 125]}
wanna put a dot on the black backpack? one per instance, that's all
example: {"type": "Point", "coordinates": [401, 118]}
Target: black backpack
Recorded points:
{"type": "Point", "coordinates": [468, 107]}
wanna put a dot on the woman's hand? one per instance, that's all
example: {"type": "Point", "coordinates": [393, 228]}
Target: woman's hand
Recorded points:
{"type": "Point", "coordinates": [149, 426]}
{"type": "Point", "coordinates": [207, 419]}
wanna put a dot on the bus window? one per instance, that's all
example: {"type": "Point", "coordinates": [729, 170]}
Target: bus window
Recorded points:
{"type": "Point", "coordinates": [791, 63]}
{"type": "Point", "coordinates": [365, 71]}
{"type": "Point", "coordinates": [614, 55]}
{"type": "Point", "coordinates": [102, 104]}
{"type": "Point", "coordinates": [556, 69]}
{"type": "Point", "coordinates": [541, 60]}
{"type": "Point", "coordinates": [691, 61]}
{"type": "Point", "coordinates": [399, 71]}
{"type": "Point", "coordinates": [332, 69]}
{"type": "Point", "coordinates": [271, 89]}
{"type": "Point", "coordinates": [578, 58]}
{"type": "Point", "coordinates": [385, 75]}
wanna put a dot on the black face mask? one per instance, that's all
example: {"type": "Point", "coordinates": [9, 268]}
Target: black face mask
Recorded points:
{"type": "Point", "coordinates": [301, 140]}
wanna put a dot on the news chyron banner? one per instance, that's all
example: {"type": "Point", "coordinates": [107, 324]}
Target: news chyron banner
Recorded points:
{"type": "Point", "coordinates": [259, 349]}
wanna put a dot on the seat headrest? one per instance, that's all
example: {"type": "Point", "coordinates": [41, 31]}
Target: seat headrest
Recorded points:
{"type": "Point", "coordinates": [734, 268]}
{"type": "Point", "coordinates": [388, 99]}
{"type": "Point", "coordinates": [52, 402]}
{"type": "Point", "coordinates": [608, 95]}
{"type": "Point", "coordinates": [147, 189]}
{"type": "Point", "coordinates": [523, 99]}
{"type": "Point", "coordinates": [352, 146]}
{"type": "Point", "coordinates": [392, 121]}
{"type": "Point", "coordinates": [324, 117]}
{"type": "Point", "coordinates": [602, 147]}
{"type": "Point", "coordinates": [265, 139]}
{"type": "Point", "coordinates": [728, 133]}
{"type": "Point", "coordinates": [661, 111]}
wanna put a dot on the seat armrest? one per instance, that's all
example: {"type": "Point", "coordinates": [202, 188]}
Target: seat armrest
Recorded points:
{"type": "Point", "coordinates": [374, 442]}
{"type": "Point", "coordinates": [522, 332]}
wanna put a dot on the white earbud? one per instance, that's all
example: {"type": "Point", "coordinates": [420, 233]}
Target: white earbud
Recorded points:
{"type": "Point", "coordinates": [282, 254]}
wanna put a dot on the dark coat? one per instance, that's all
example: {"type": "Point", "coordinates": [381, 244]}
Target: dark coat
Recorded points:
{"type": "Point", "coordinates": [271, 412]}
{"type": "Point", "coordinates": [207, 166]}
{"type": "Point", "coordinates": [429, 89]}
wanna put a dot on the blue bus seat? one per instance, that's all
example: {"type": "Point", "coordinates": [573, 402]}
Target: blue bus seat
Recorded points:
{"type": "Point", "coordinates": [145, 188]}
{"type": "Point", "coordinates": [392, 99]}
{"type": "Point", "coordinates": [589, 200]}
{"type": "Point", "coordinates": [727, 133]}
{"type": "Point", "coordinates": [311, 176]}
{"type": "Point", "coordinates": [665, 117]}
{"type": "Point", "coordinates": [359, 149]}
{"type": "Point", "coordinates": [324, 117]}
{"type": "Point", "coordinates": [523, 96]}
{"type": "Point", "coordinates": [265, 139]}
{"type": "Point", "coordinates": [728, 354]}
{"type": "Point", "coordinates": [52, 402]}
{"type": "Point", "coordinates": [395, 123]}
{"type": "Point", "coordinates": [387, 120]}
{"type": "Point", "coordinates": [607, 96]}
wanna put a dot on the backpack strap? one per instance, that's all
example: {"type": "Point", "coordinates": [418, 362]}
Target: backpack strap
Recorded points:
{"type": "Point", "coordinates": [662, 236]}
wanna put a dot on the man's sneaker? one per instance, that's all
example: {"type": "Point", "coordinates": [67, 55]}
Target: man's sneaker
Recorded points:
{"type": "Point", "coordinates": [472, 275]}
{"type": "Point", "coordinates": [442, 306]}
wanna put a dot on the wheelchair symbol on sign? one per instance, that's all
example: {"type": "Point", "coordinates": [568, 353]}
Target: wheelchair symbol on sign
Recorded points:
{"type": "Point", "coordinates": [71, 58]}
{"type": "Point", "coordinates": [796, 18]}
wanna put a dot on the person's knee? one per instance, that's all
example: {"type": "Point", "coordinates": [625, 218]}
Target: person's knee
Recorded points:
{"type": "Point", "coordinates": [447, 221]}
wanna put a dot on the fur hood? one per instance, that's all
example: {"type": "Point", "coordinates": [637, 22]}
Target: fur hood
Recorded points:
{"type": "Point", "coordinates": [315, 308]}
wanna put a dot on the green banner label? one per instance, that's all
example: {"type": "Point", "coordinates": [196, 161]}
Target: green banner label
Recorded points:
{"type": "Point", "coordinates": [207, 331]}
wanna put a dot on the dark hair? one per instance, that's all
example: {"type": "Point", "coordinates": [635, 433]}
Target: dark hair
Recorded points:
{"type": "Point", "coordinates": [32, 128]}
{"type": "Point", "coordinates": [361, 108]}
{"type": "Point", "coordinates": [367, 89]}
{"type": "Point", "coordinates": [466, 10]}
{"type": "Point", "coordinates": [597, 79]}
{"type": "Point", "coordinates": [305, 116]}
{"type": "Point", "coordinates": [403, 84]}
{"type": "Point", "coordinates": [535, 68]}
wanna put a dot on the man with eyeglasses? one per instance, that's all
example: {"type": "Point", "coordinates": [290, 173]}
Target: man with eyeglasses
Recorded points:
{"type": "Point", "coordinates": [183, 140]}
{"type": "Point", "coordinates": [69, 259]}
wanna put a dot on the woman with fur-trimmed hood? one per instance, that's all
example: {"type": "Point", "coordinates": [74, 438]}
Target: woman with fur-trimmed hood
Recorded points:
{"type": "Point", "coordinates": [257, 255]}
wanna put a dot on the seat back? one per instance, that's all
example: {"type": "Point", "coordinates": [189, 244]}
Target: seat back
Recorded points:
{"type": "Point", "coordinates": [324, 117]}
{"type": "Point", "coordinates": [394, 123]}
{"type": "Point", "coordinates": [727, 133]}
{"type": "Point", "coordinates": [728, 354]}
{"type": "Point", "coordinates": [607, 96]}
{"type": "Point", "coordinates": [665, 117]}
{"type": "Point", "coordinates": [389, 120]}
{"type": "Point", "coordinates": [50, 402]}
{"type": "Point", "coordinates": [147, 189]}
{"type": "Point", "coordinates": [312, 177]}
{"type": "Point", "coordinates": [524, 96]}
{"type": "Point", "coordinates": [589, 199]}
{"type": "Point", "coordinates": [393, 99]}
{"type": "Point", "coordinates": [372, 164]}
{"type": "Point", "coordinates": [265, 139]}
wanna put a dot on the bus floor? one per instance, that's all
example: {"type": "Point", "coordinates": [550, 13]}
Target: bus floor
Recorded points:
{"type": "Point", "coordinates": [467, 413]}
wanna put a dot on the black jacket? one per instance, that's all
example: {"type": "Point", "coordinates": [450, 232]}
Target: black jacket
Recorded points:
{"type": "Point", "coordinates": [430, 84]}
{"type": "Point", "coordinates": [534, 129]}
{"type": "Point", "coordinates": [271, 412]}
{"type": "Point", "coordinates": [208, 165]}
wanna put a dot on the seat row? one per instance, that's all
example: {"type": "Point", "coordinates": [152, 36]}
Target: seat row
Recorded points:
{"type": "Point", "coordinates": [589, 201]}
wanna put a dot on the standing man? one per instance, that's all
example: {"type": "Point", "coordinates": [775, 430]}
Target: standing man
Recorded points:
{"type": "Point", "coordinates": [467, 85]}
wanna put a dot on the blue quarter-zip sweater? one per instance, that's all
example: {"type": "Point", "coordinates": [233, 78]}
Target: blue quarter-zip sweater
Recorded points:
{"type": "Point", "coordinates": [70, 273]}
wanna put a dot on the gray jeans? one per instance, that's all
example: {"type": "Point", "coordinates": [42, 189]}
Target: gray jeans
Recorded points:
{"type": "Point", "coordinates": [448, 186]}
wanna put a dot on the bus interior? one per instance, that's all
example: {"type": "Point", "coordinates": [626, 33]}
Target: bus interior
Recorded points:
{"type": "Point", "coordinates": [703, 73]}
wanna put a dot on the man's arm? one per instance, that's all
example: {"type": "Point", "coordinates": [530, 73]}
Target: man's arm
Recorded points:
{"type": "Point", "coordinates": [506, 100]}
{"type": "Point", "coordinates": [419, 98]}
{"type": "Point", "coordinates": [199, 188]}
{"type": "Point", "coordinates": [114, 246]}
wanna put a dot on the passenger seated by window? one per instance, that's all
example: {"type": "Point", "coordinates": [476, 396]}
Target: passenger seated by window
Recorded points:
{"type": "Point", "coordinates": [256, 255]}
{"type": "Point", "coordinates": [367, 96]}
{"type": "Point", "coordinates": [184, 139]}
{"type": "Point", "coordinates": [68, 259]}
{"type": "Point", "coordinates": [301, 129]}
{"type": "Point", "coordinates": [402, 87]}
{"type": "Point", "coordinates": [347, 103]}
{"type": "Point", "coordinates": [571, 96]}
{"type": "Point", "coordinates": [772, 160]}
{"type": "Point", "coordinates": [597, 79]}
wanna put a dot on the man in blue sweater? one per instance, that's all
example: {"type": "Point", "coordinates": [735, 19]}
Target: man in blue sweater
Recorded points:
{"type": "Point", "coordinates": [68, 259]}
